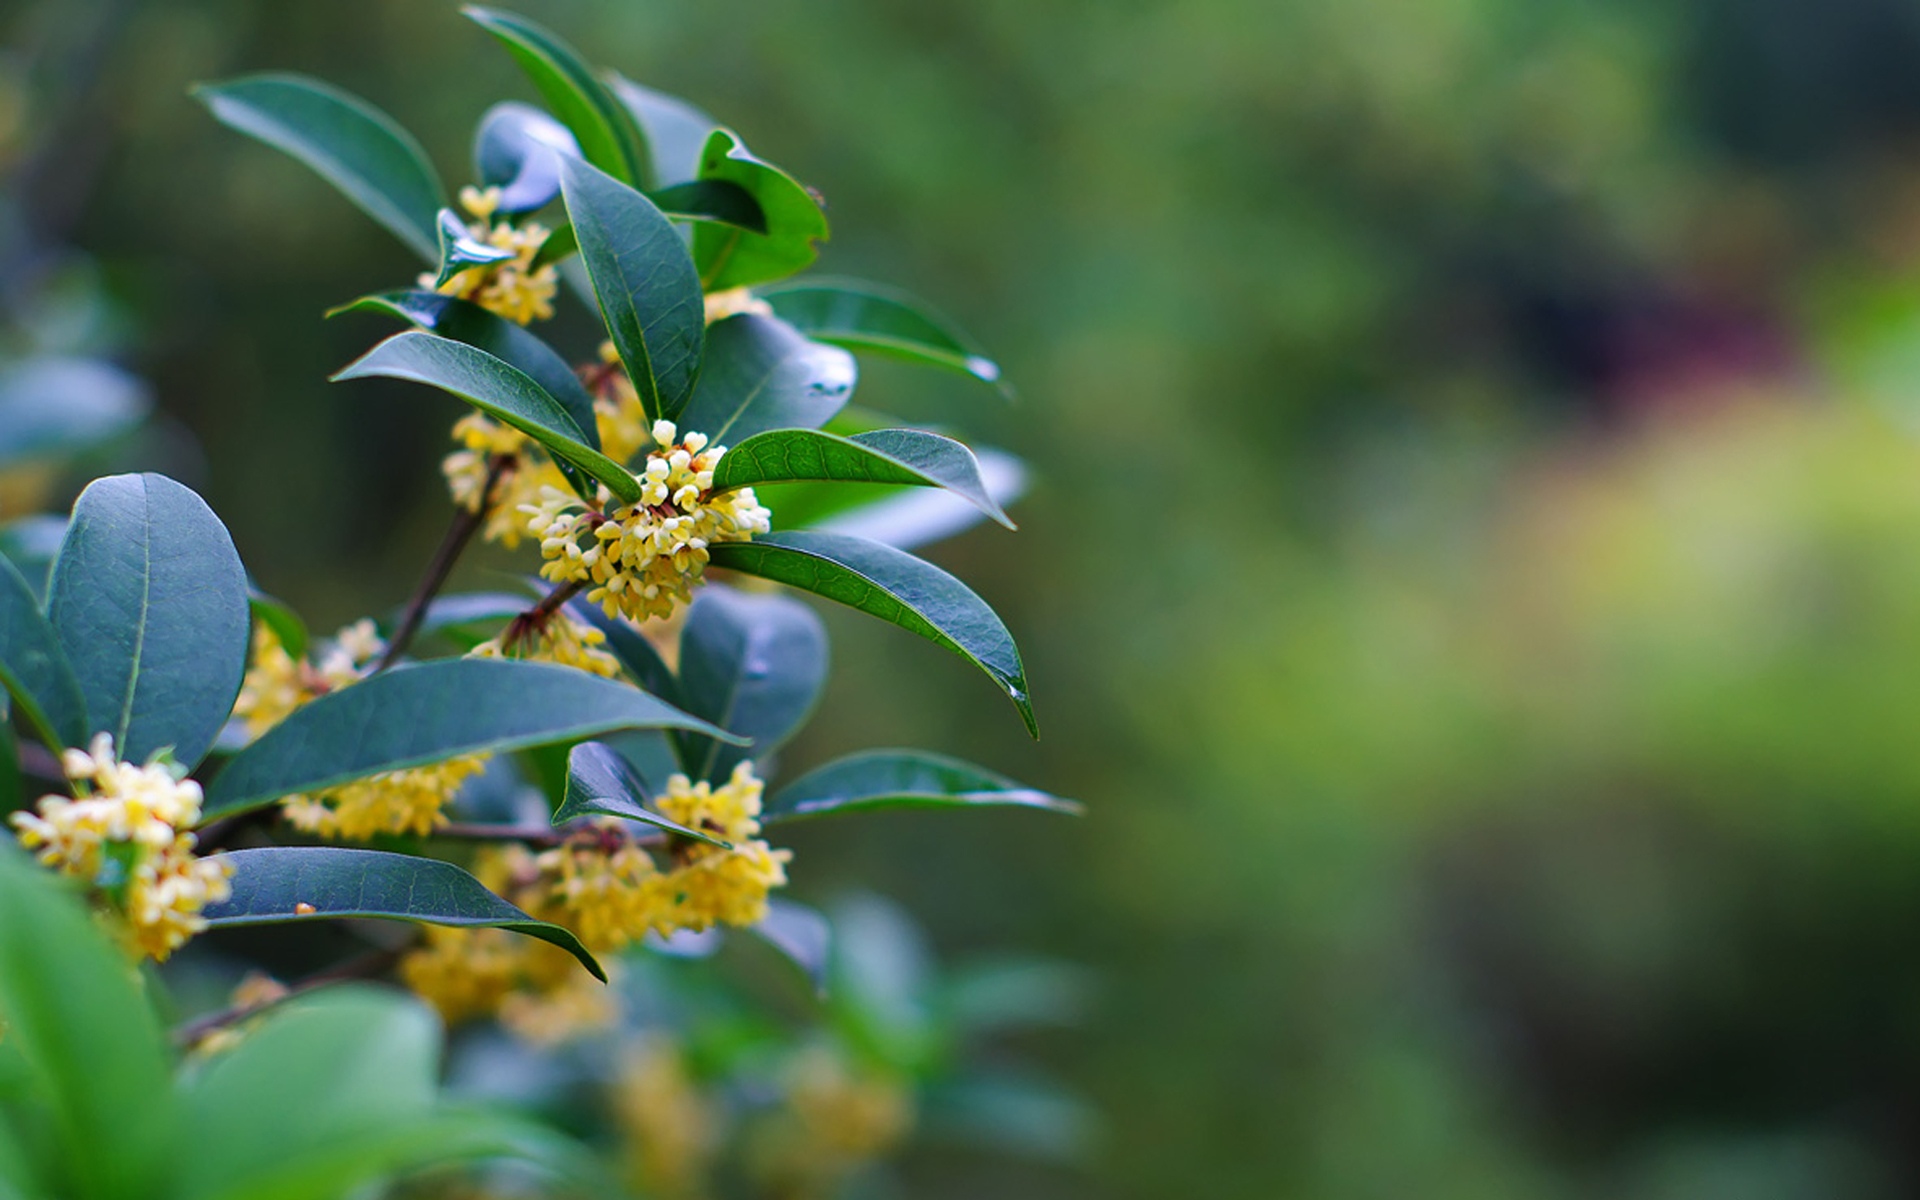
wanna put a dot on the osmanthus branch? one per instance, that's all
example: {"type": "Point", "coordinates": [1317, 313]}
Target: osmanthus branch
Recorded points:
{"type": "Point", "coordinates": [466, 522]}
{"type": "Point", "coordinates": [366, 966]}
{"type": "Point", "coordinates": [533, 835]}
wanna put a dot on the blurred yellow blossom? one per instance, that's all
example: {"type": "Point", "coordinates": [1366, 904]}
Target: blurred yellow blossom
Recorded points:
{"type": "Point", "coordinates": [671, 1129]}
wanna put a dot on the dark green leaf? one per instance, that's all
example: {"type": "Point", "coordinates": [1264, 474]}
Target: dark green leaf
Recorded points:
{"type": "Point", "coordinates": [602, 783]}
{"type": "Point", "coordinates": [514, 150]}
{"type": "Point", "coordinates": [867, 316]}
{"type": "Point", "coordinates": [676, 131]}
{"type": "Point", "coordinates": [150, 603]}
{"type": "Point", "coordinates": [731, 257]}
{"type": "Point", "coordinates": [288, 629]}
{"type": "Point", "coordinates": [908, 456]}
{"type": "Point", "coordinates": [12, 787]}
{"type": "Point", "coordinates": [559, 244]}
{"type": "Point", "coordinates": [648, 291]}
{"type": "Point", "coordinates": [458, 250]}
{"type": "Point", "coordinates": [353, 145]}
{"type": "Point", "coordinates": [34, 668]}
{"type": "Point", "coordinates": [411, 716]}
{"type": "Point", "coordinates": [802, 935]}
{"type": "Point", "coordinates": [751, 664]}
{"type": "Point", "coordinates": [894, 586]}
{"type": "Point", "coordinates": [760, 374]}
{"type": "Point", "coordinates": [608, 136]}
{"type": "Point", "coordinates": [878, 779]}
{"type": "Point", "coordinates": [32, 543]}
{"type": "Point", "coordinates": [55, 406]}
{"type": "Point", "coordinates": [711, 200]}
{"type": "Point", "coordinates": [277, 884]}
{"type": "Point", "coordinates": [496, 388]}
{"type": "Point", "coordinates": [475, 608]}
{"type": "Point", "coordinates": [513, 344]}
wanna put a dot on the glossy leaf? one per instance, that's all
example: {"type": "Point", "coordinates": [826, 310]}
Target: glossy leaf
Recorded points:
{"type": "Point", "coordinates": [513, 344]}
{"type": "Point", "coordinates": [881, 779]}
{"type": "Point", "coordinates": [648, 291]}
{"type": "Point", "coordinates": [288, 629]}
{"type": "Point", "coordinates": [353, 145]}
{"type": "Point", "coordinates": [914, 516]}
{"type": "Point", "coordinates": [753, 665]}
{"type": "Point", "coordinates": [868, 316]}
{"type": "Point", "coordinates": [429, 712]}
{"type": "Point", "coordinates": [711, 200]}
{"type": "Point", "coordinates": [515, 149]}
{"type": "Point", "coordinates": [894, 586]}
{"type": "Point", "coordinates": [496, 388]}
{"type": "Point", "coordinates": [56, 406]}
{"type": "Point", "coordinates": [904, 456]}
{"type": "Point", "coordinates": [802, 935]}
{"type": "Point", "coordinates": [602, 783]}
{"type": "Point", "coordinates": [760, 374]}
{"type": "Point", "coordinates": [675, 130]}
{"type": "Point", "coordinates": [730, 257]}
{"type": "Point", "coordinates": [279, 884]}
{"type": "Point", "coordinates": [607, 134]}
{"type": "Point", "coordinates": [150, 603]}
{"type": "Point", "coordinates": [34, 668]}
{"type": "Point", "coordinates": [459, 250]}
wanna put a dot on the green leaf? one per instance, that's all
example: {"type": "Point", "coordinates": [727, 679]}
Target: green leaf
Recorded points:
{"type": "Point", "coordinates": [760, 374]}
{"type": "Point", "coordinates": [57, 406]}
{"type": "Point", "coordinates": [74, 1011]}
{"type": "Point", "coordinates": [513, 344]}
{"type": "Point", "coordinates": [514, 149]}
{"type": "Point", "coordinates": [278, 884]}
{"type": "Point", "coordinates": [606, 132]}
{"type": "Point", "coordinates": [635, 652]}
{"type": "Point", "coordinates": [868, 316]}
{"type": "Point", "coordinates": [676, 131]}
{"type": "Point", "coordinates": [909, 517]}
{"type": "Point", "coordinates": [880, 779]}
{"type": "Point", "coordinates": [32, 543]}
{"type": "Point", "coordinates": [496, 388]}
{"type": "Point", "coordinates": [150, 603]}
{"type": "Point", "coordinates": [711, 200]}
{"type": "Point", "coordinates": [894, 586]}
{"type": "Point", "coordinates": [474, 608]}
{"type": "Point", "coordinates": [802, 935]}
{"type": "Point", "coordinates": [730, 257]}
{"type": "Point", "coordinates": [429, 712]}
{"type": "Point", "coordinates": [753, 665]}
{"type": "Point", "coordinates": [288, 629]}
{"type": "Point", "coordinates": [602, 783]}
{"type": "Point", "coordinates": [458, 250]}
{"type": "Point", "coordinates": [559, 245]}
{"type": "Point", "coordinates": [34, 669]}
{"type": "Point", "coordinates": [648, 291]}
{"type": "Point", "coordinates": [353, 145]}
{"type": "Point", "coordinates": [907, 456]}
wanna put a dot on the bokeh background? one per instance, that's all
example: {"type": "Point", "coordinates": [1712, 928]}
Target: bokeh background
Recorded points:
{"type": "Point", "coordinates": [1473, 569]}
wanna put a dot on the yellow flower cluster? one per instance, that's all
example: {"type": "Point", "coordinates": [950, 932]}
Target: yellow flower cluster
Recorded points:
{"type": "Point", "coordinates": [277, 683]}
{"type": "Point", "coordinates": [555, 638]}
{"type": "Point", "coordinates": [733, 302]}
{"type": "Point", "coordinates": [642, 559]}
{"type": "Point", "coordinates": [671, 1129]}
{"type": "Point", "coordinates": [857, 1114]}
{"type": "Point", "coordinates": [512, 288]}
{"type": "Point", "coordinates": [125, 833]}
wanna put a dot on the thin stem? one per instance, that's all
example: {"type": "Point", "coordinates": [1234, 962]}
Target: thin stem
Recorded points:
{"type": "Point", "coordinates": [536, 835]}
{"type": "Point", "coordinates": [466, 522]}
{"type": "Point", "coordinates": [551, 602]}
{"type": "Point", "coordinates": [366, 966]}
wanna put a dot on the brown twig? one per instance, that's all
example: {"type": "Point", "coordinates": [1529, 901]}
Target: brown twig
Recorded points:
{"type": "Point", "coordinates": [366, 966]}
{"type": "Point", "coordinates": [466, 522]}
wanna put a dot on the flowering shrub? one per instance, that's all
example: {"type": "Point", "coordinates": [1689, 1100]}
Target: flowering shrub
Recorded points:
{"type": "Point", "coordinates": [226, 768]}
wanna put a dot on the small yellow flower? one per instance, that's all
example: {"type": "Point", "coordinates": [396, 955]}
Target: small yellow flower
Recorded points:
{"type": "Point", "coordinates": [671, 1129]}
{"type": "Point", "coordinates": [125, 833]}
{"type": "Point", "coordinates": [276, 684]}
{"type": "Point", "coordinates": [557, 638]}
{"type": "Point", "coordinates": [617, 411]}
{"type": "Point", "coordinates": [733, 302]}
{"type": "Point", "coordinates": [643, 559]}
{"type": "Point", "coordinates": [411, 800]}
{"type": "Point", "coordinates": [710, 885]}
{"type": "Point", "coordinates": [512, 288]}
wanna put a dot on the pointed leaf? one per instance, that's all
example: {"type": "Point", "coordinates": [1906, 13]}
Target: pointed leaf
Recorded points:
{"type": "Point", "coordinates": [880, 779]}
{"type": "Point", "coordinates": [496, 388]}
{"type": "Point", "coordinates": [602, 783]}
{"type": "Point", "coordinates": [56, 406]}
{"type": "Point", "coordinates": [150, 603]}
{"type": "Point", "coordinates": [458, 249]}
{"type": "Point", "coordinates": [802, 935]}
{"type": "Point", "coordinates": [894, 586]}
{"type": "Point", "coordinates": [608, 136]}
{"type": "Point", "coordinates": [711, 200]}
{"type": "Point", "coordinates": [648, 291]}
{"type": "Point", "coordinates": [513, 344]}
{"type": "Point", "coordinates": [353, 145]}
{"type": "Point", "coordinates": [731, 257]}
{"type": "Point", "coordinates": [675, 130]}
{"type": "Point", "coordinates": [429, 712]}
{"type": "Point", "coordinates": [514, 149]}
{"type": "Point", "coordinates": [753, 665]}
{"type": "Point", "coordinates": [908, 456]}
{"type": "Point", "coordinates": [278, 884]}
{"type": "Point", "coordinates": [288, 629]}
{"type": "Point", "coordinates": [447, 612]}
{"type": "Point", "coordinates": [34, 668]}
{"type": "Point", "coordinates": [760, 374]}
{"type": "Point", "coordinates": [913, 517]}
{"type": "Point", "coordinates": [868, 316]}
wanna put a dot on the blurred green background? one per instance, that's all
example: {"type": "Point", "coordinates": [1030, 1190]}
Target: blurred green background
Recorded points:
{"type": "Point", "coordinates": [1473, 571]}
